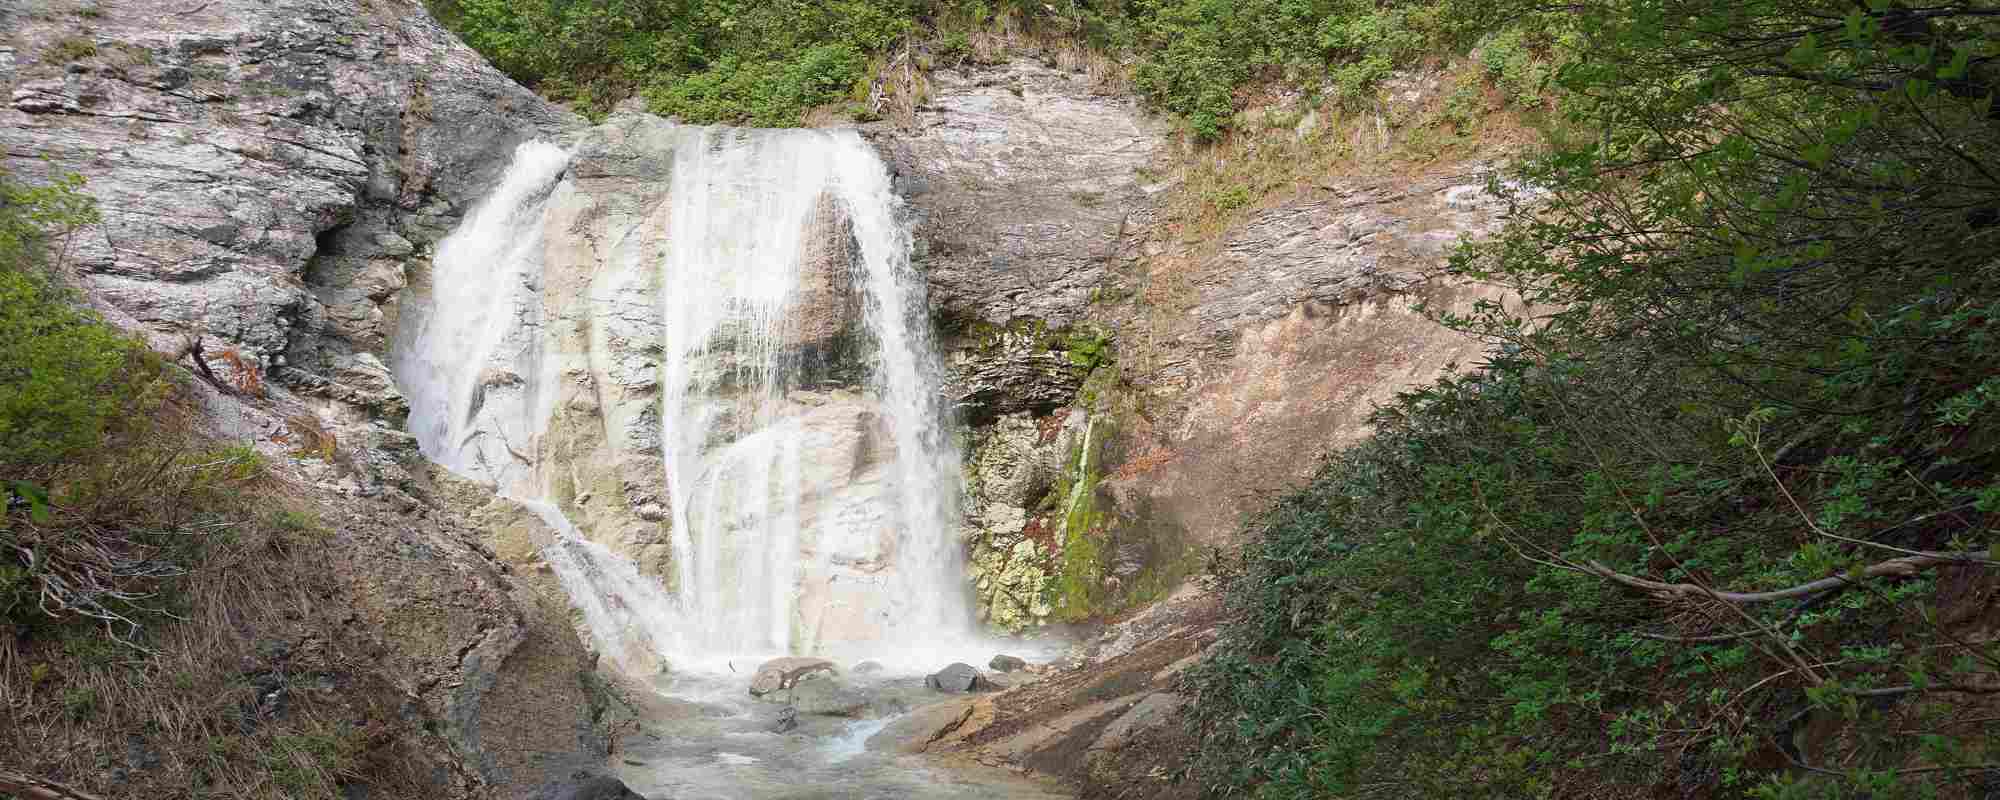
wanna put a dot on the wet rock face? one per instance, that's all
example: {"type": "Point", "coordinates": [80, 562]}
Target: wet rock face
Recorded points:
{"type": "Point", "coordinates": [1013, 468]}
{"type": "Point", "coordinates": [1023, 182]}
{"type": "Point", "coordinates": [265, 169]}
{"type": "Point", "coordinates": [995, 370]}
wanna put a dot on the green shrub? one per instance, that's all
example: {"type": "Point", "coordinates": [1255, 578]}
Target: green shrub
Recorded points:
{"type": "Point", "coordinates": [1760, 358]}
{"type": "Point", "coordinates": [58, 362]}
{"type": "Point", "coordinates": [706, 61]}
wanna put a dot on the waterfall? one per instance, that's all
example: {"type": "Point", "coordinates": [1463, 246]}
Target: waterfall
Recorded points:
{"type": "Point", "coordinates": [483, 282]}
{"type": "Point", "coordinates": [811, 482]}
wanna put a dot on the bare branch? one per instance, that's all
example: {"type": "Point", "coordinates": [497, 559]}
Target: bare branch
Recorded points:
{"type": "Point", "coordinates": [1893, 568]}
{"type": "Point", "coordinates": [29, 788]}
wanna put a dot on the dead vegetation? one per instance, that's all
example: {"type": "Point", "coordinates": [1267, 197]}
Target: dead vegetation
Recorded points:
{"type": "Point", "coordinates": [169, 628]}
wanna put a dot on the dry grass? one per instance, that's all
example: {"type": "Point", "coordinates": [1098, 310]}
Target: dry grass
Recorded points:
{"type": "Point", "coordinates": [224, 669]}
{"type": "Point", "coordinates": [899, 81]}
{"type": "Point", "coordinates": [309, 436]}
{"type": "Point", "coordinates": [1008, 36]}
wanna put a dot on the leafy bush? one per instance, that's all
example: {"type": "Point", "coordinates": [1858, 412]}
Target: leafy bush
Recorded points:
{"type": "Point", "coordinates": [1705, 524]}
{"type": "Point", "coordinates": [58, 362]}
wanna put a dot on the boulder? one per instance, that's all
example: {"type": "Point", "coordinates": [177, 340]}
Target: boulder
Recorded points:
{"type": "Point", "coordinates": [1006, 663]}
{"type": "Point", "coordinates": [779, 674]}
{"type": "Point", "coordinates": [937, 724]}
{"type": "Point", "coordinates": [867, 668]}
{"type": "Point", "coordinates": [956, 679]}
{"type": "Point", "coordinates": [828, 697]}
{"type": "Point", "coordinates": [588, 786]}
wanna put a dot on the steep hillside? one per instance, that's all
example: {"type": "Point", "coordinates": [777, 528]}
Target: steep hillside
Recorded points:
{"type": "Point", "coordinates": [240, 584]}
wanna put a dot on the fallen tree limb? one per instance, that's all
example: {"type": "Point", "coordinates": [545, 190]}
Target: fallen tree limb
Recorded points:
{"type": "Point", "coordinates": [1893, 568]}
{"type": "Point", "coordinates": [1961, 688]}
{"type": "Point", "coordinates": [28, 788]}
{"type": "Point", "coordinates": [192, 348]}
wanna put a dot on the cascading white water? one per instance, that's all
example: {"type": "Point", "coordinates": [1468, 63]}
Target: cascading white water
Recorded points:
{"type": "Point", "coordinates": [485, 279]}
{"type": "Point", "coordinates": [748, 209]}
{"type": "Point", "coordinates": [812, 483]}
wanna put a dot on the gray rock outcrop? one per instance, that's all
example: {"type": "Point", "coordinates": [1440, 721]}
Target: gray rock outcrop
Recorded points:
{"type": "Point", "coordinates": [1024, 180]}
{"type": "Point", "coordinates": [827, 696]}
{"type": "Point", "coordinates": [265, 169]}
{"type": "Point", "coordinates": [586, 786]}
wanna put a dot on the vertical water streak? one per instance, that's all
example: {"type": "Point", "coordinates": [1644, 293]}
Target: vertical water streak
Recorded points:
{"type": "Point", "coordinates": [908, 375]}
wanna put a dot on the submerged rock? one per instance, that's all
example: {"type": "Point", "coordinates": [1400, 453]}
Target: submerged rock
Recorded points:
{"type": "Point", "coordinates": [788, 720]}
{"type": "Point", "coordinates": [1006, 663]}
{"type": "Point", "coordinates": [783, 673]}
{"type": "Point", "coordinates": [956, 679]}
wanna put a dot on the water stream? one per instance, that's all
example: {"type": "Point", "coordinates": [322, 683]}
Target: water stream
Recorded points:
{"type": "Point", "coordinates": [811, 476]}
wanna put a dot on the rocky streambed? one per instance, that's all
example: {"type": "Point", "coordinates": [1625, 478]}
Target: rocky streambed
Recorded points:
{"type": "Point", "coordinates": [808, 728]}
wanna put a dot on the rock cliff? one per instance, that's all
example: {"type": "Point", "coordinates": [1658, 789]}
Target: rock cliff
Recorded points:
{"type": "Point", "coordinates": [1132, 394]}
{"type": "Point", "coordinates": [267, 171]}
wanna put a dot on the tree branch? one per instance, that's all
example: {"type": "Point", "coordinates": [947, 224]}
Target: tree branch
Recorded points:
{"type": "Point", "coordinates": [28, 788]}
{"type": "Point", "coordinates": [1893, 568]}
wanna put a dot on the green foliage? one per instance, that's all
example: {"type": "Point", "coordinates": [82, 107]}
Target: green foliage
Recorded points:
{"type": "Point", "coordinates": [763, 93]}
{"type": "Point", "coordinates": [58, 362]}
{"type": "Point", "coordinates": [1761, 356]}
{"type": "Point", "coordinates": [767, 63]}
{"type": "Point", "coordinates": [311, 763]}
{"type": "Point", "coordinates": [1194, 55]}
{"type": "Point", "coordinates": [1088, 348]}
{"type": "Point", "coordinates": [79, 702]}
{"type": "Point", "coordinates": [735, 61]}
